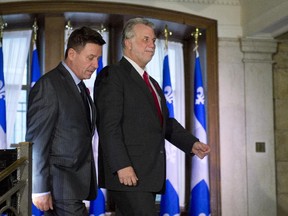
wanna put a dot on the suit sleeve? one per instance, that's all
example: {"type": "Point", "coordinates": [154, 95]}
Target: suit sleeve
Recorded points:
{"type": "Point", "coordinates": [41, 118]}
{"type": "Point", "coordinates": [179, 136]}
{"type": "Point", "coordinates": [175, 133]}
{"type": "Point", "coordinates": [109, 104]}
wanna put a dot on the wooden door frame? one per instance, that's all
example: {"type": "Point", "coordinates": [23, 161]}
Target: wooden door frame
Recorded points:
{"type": "Point", "coordinates": [210, 26]}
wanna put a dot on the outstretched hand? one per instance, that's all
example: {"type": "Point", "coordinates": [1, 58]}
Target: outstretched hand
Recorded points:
{"type": "Point", "coordinates": [200, 149]}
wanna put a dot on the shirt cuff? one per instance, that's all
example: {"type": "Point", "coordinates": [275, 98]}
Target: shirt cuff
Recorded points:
{"type": "Point", "coordinates": [39, 194]}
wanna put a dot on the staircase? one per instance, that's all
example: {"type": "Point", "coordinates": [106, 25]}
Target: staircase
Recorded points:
{"type": "Point", "coordinates": [16, 200]}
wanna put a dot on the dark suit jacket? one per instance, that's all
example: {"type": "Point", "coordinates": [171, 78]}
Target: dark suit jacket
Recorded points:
{"type": "Point", "coordinates": [62, 138]}
{"type": "Point", "coordinates": [130, 133]}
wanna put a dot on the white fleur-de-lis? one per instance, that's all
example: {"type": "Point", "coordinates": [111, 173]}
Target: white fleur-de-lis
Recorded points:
{"type": "Point", "coordinates": [2, 90]}
{"type": "Point", "coordinates": [200, 96]}
{"type": "Point", "coordinates": [168, 94]}
{"type": "Point", "coordinates": [171, 153]}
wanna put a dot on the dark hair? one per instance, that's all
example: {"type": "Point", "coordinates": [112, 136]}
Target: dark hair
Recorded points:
{"type": "Point", "coordinates": [80, 37]}
{"type": "Point", "coordinates": [128, 30]}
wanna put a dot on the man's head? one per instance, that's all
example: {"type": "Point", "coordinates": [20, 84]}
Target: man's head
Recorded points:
{"type": "Point", "coordinates": [83, 51]}
{"type": "Point", "coordinates": [138, 40]}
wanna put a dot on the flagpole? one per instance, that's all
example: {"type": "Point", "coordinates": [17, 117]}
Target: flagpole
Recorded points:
{"type": "Point", "coordinates": [200, 194]}
{"type": "Point", "coordinates": [166, 35]}
{"type": "Point", "coordinates": [170, 200]}
{"type": "Point", "coordinates": [2, 26]}
{"type": "Point", "coordinates": [69, 27]}
{"type": "Point", "coordinates": [196, 35]}
{"type": "Point", "coordinates": [35, 28]}
{"type": "Point", "coordinates": [35, 75]}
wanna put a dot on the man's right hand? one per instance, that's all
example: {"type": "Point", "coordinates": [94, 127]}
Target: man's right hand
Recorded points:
{"type": "Point", "coordinates": [44, 203]}
{"type": "Point", "coordinates": [127, 176]}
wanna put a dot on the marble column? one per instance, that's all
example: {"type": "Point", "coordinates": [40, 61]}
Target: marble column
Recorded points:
{"type": "Point", "coordinates": [259, 125]}
{"type": "Point", "coordinates": [281, 126]}
{"type": "Point", "coordinates": [232, 129]}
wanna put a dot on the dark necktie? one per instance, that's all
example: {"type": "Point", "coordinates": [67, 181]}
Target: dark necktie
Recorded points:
{"type": "Point", "coordinates": [85, 99]}
{"type": "Point", "coordinates": [159, 112]}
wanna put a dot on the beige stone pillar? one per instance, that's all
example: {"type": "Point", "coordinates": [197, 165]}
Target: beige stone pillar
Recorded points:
{"type": "Point", "coordinates": [259, 128]}
{"type": "Point", "coordinates": [281, 126]}
{"type": "Point", "coordinates": [232, 128]}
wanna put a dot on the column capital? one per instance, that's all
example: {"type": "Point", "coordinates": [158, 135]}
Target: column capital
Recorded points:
{"type": "Point", "coordinates": [254, 45]}
{"type": "Point", "coordinates": [258, 50]}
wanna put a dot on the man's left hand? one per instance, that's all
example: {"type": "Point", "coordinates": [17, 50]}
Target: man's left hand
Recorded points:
{"type": "Point", "coordinates": [200, 149]}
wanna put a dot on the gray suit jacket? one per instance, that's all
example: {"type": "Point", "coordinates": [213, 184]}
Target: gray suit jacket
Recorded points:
{"type": "Point", "coordinates": [62, 138]}
{"type": "Point", "coordinates": [130, 133]}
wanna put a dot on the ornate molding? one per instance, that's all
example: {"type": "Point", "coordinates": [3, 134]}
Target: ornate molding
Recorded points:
{"type": "Point", "coordinates": [215, 2]}
{"type": "Point", "coordinates": [251, 45]}
{"type": "Point", "coordinates": [258, 50]}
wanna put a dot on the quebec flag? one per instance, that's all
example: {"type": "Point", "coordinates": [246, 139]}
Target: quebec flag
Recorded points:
{"type": "Point", "coordinates": [169, 205]}
{"type": "Point", "coordinates": [200, 195]}
{"type": "Point", "coordinates": [97, 206]}
{"type": "Point", "coordinates": [3, 138]}
{"type": "Point", "coordinates": [35, 75]}
{"type": "Point", "coordinates": [35, 67]}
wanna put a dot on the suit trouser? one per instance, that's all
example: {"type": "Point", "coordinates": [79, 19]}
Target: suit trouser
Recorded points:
{"type": "Point", "coordinates": [72, 207]}
{"type": "Point", "coordinates": [67, 208]}
{"type": "Point", "coordinates": [134, 203]}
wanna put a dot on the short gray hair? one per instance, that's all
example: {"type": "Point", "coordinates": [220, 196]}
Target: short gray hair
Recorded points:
{"type": "Point", "coordinates": [128, 30]}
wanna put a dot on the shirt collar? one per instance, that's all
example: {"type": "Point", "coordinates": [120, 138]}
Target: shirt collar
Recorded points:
{"type": "Point", "coordinates": [75, 78]}
{"type": "Point", "coordinates": [136, 66]}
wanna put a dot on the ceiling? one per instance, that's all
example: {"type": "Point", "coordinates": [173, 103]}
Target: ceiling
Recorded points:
{"type": "Point", "coordinates": [276, 26]}
{"type": "Point", "coordinates": [178, 31]}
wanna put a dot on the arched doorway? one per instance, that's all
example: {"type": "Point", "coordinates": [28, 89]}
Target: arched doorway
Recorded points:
{"type": "Point", "coordinates": [54, 15]}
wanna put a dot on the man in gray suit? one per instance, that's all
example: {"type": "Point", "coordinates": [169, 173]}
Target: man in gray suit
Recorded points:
{"type": "Point", "coordinates": [132, 129]}
{"type": "Point", "coordinates": [60, 123]}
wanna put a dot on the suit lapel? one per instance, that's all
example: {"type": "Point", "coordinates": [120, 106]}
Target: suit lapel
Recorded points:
{"type": "Point", "coordinates": [139, 81]}
{"type": "Point", "coordinates": [76, 94]}
{"type": "Point", "coordinates": [71, 84]}
{"type": "Point", "coordinates": [142, 85]}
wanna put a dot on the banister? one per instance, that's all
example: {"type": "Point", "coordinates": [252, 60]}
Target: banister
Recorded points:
{"type": "Point", "coordinates": [13, 167]}
{"type": "Point", "coordinates": [22, 187]}
{"type": "Point", "coordinates": [12, 191]}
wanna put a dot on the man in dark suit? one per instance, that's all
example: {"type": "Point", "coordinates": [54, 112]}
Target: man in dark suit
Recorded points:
{"type": "Point", "coordinates": [60, 123]}
{"type": "Point", "coordinates": [131, 130]}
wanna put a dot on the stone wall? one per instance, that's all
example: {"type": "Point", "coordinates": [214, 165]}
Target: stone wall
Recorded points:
{"type": "Point", "coordinates": [281, 126]}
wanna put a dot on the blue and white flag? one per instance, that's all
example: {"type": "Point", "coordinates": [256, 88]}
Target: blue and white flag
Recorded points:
{"type": "Point", "coordinates": [3, 137]}
{"type": "Point", "coordinates": [200, 195]}
{"type": "Point", "coordinates": [35, 75]}
{"type": "Point", "coordinates": [35, 66]}
{"type": "Point", "coordinates": [169, 205]}
{"type": "Point", "coordinates": [97, 206]}
{"type": "Point", "coordinates": [167, 86]}
{"type": "Point", "coordinates": [36, 211]}
{"type": "Point", "coordinates": [100, 65]}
